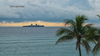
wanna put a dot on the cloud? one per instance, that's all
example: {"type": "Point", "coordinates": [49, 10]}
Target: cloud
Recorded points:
{"type": "Point", "coordinates": [48, 10]}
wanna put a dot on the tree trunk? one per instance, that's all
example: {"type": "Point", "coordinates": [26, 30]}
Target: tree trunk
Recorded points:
{"type": "Point", "coordinates": [79, 39]}
{"type": "Point", "coordinates": [79, 50]}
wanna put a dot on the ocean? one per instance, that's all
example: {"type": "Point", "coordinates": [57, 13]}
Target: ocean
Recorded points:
{"type": "Point", "coordinates": [36, 41]}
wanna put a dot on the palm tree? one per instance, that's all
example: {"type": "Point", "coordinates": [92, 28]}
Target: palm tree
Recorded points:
{"type": "Point", "coordinates": [77, 31]}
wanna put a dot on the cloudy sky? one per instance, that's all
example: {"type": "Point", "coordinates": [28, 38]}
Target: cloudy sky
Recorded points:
{"type": "Point", "coordinates": [47, 11]}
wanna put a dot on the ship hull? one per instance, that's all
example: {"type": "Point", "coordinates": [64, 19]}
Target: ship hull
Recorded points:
{"type": "Point", "coordinates": [33, 26]}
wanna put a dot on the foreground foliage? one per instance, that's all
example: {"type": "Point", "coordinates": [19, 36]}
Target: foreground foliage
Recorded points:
{"type": "Point", "coordinates": [78, 31]}
{"type": "Point", "coordinates": [95, 37]}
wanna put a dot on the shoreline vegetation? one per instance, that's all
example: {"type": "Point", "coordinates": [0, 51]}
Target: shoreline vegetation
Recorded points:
{"type": "Point", "coordinates": [83, 34]}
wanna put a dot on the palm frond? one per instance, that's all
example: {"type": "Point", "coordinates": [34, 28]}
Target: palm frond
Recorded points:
{"type": "Point", "coordinates": [65, 38]}
{"type": "Point", "coordinates": [71, 33]}
{"type": "Point", "coordinates": [91, 32]}
{"type": "Point", "coordinates": [99, 31]}
{"type": "Point", "coordinates": [85, 28]}
{"type": "Point", "coordinates": [86, 45]}
{"type": "Point", "coordinates": [93, 38]}
{"type": "Point", "coordinates": [96, 48]}
{"type": "Point", "coordinates": [84, 17]}
{"type": "Point", "coordinates": [70, 22]}
{"type": "Point", "coordinates": [79, 22]}
{"type": "Point", "coordinates": [88, 25]}
{"type": "Point", "coordinates": [98, 16]}
{"type": "Point", "coordinates": [63, 31]}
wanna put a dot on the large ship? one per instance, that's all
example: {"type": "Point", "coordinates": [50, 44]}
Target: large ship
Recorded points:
{"type": "Point", "coordinates": [34, 25]}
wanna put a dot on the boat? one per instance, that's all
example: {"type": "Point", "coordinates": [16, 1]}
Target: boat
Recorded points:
{"type": "Point", "coordinates": [34, 25]}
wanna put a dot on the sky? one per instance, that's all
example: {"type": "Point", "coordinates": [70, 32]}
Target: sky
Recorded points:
{"type": "Point", "coordinates": [47, 12]}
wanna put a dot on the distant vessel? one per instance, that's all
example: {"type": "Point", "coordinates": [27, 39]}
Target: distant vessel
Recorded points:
{"type": "Point", "coordinates": [34, 25]}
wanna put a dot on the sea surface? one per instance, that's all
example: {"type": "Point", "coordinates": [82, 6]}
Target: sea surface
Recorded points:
{"type": "Point", "coordinates": [36, 41]}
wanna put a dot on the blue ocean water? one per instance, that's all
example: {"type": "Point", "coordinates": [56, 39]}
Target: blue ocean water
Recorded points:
{"type": "Point", "coordinates": [35, 41]}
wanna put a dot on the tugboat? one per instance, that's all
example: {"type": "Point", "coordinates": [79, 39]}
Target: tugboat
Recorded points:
{"type": "Point", "coordinates": [34, 25]}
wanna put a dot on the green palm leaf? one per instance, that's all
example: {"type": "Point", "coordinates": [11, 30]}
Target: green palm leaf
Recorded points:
{"type": "Point", "coordinates": [98, 16]}
{"type": "Point", "coordinates": [88, 26]}
{"type": "Point", "coordinates": [86, 45]}
{"type": "Point", "coordinates": [65, 38]}
{"type": "Point", "coordinates": [94, 37]}
{"type": "Point", "coordinates": [96, 48]}
{"type": "Point", "coordinates": [99, 31]}
{"type": "Point", "coordinates": [85, 28]}
{"type": "Point", "coordinates": [63, 31]}
{"type": "Point", "coordinates": [79, 22]}
{"type": "Point", "coordinates": [70, 22]}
